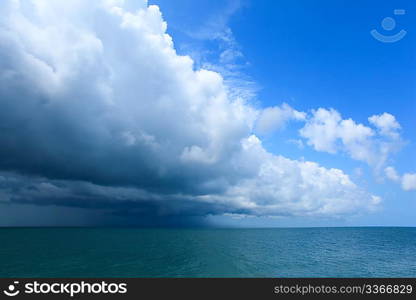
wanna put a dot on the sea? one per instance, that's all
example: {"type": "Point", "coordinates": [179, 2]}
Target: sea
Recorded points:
{"type": "Point", "coordinates": [260, 252]}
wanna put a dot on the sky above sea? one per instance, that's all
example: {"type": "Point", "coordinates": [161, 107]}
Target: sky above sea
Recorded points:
{"type": "Point", "coordinates": [209, 113]}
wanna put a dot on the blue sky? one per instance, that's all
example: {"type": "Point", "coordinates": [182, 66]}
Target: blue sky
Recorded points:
{"type": "Point", "coordinates": [250, 113]}
{"type": "Point", "coordinates": [320, 54]}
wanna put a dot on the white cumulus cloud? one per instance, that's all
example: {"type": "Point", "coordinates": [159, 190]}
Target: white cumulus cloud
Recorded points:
{"type": "Point", "coordinates": [391, 174]}
{"type": "Point", "coordinates": [386, 124]}
{"type": "Point", "coordinates": [274, 118]}
{"type": "Point", "coordinates": [327, 131]}
{"type": "Point", "coordinates": [409, 181]}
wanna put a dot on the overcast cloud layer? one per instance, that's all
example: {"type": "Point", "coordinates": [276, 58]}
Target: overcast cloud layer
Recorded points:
{"type": "Point", "coordinates": [97, 110]}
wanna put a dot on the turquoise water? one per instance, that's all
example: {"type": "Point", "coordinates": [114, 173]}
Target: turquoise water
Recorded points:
{"type": "Point", "coordinates": [121, 252]}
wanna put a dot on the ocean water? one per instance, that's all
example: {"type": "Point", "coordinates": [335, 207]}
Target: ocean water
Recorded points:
{"type": "Point", "coordinates": [131, 252]}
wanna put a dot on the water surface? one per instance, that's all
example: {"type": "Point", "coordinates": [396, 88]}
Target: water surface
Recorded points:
{"type": "Point", "coordinates": [132, 252]}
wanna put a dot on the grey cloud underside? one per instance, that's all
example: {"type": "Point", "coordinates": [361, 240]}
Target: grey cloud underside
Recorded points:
{"type": "Point", "coordinates": [98, 111]}
{"type": "Point", "coordinates": [121, 201]}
